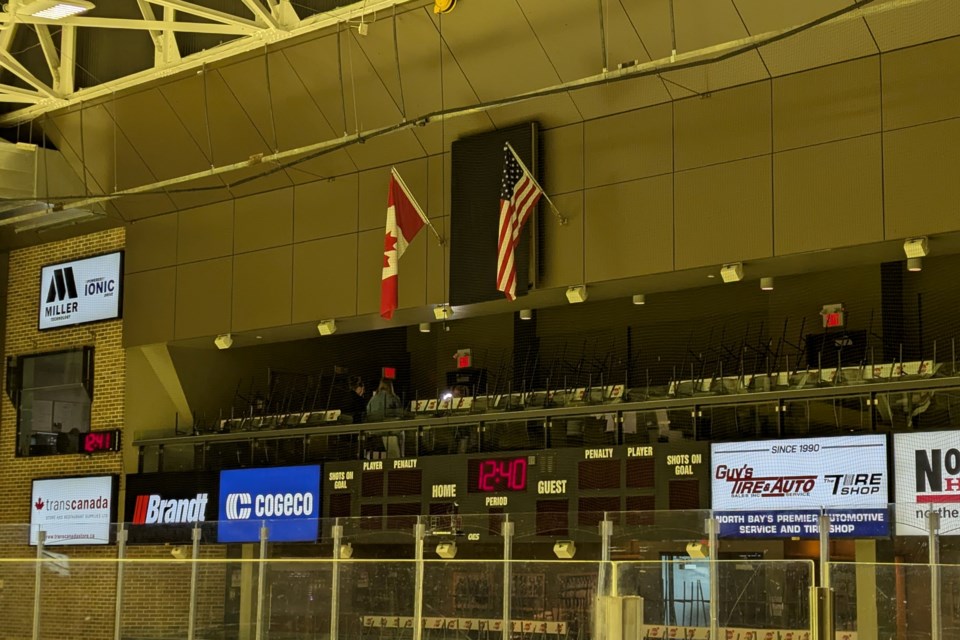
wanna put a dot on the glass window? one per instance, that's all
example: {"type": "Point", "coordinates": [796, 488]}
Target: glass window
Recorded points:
{"type": "Point", "coordinates": [52, 393]}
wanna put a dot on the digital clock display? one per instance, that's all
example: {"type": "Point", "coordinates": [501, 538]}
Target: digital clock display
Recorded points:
{"type": "Point", "coordinates": [97, 441]}
{"type": "Point", "coordinates": [494, 475]}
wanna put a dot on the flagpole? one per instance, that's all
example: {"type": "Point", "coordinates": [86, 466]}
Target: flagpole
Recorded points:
{"type": "Point", "coordinates": [416, 205]}
{"type": "Point", "coordinates": [560, 216]}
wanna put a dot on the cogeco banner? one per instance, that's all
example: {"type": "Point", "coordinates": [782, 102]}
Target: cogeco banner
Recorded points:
{"type": "Point", "coordinates": [777, 488]}
{"type": "Point", "coordinates": [285, 499]}
{"type": "Point", "coordinates": [927, 472]}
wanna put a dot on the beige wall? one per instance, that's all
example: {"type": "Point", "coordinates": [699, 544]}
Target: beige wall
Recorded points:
{"type": "Point", "coordinates": [844, 155]}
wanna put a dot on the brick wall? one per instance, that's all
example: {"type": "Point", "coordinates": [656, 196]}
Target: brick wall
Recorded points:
{"type": "Point", "coordinates": [81, 605]}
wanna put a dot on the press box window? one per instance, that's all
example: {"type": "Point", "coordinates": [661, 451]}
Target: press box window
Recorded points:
{"type": "Point", "coordinates": [52, 393]}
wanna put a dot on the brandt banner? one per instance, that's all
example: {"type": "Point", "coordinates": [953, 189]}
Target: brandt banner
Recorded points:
{"type": "Point", "coordinates": [73, 511]}
{"type": "Point", "coordinates": [927, 477]}
{"type": "Point", "coordinates": [777, 488]}
{"type": "Point", "coordinates": [166, 507]}
{"type": "Point", "coordinates": [81, 291]}
{"type": "Point", "coordinates": [285, 499]}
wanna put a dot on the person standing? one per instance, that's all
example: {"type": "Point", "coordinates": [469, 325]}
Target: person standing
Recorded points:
{"type": "Point", "coordinates": [355, 403]}
{"type": "Point", "coordinates": [385, 404]}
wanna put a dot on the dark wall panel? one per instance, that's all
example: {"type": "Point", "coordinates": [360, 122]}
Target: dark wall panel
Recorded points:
{"type": "Point", "coordinates": [475, 213]}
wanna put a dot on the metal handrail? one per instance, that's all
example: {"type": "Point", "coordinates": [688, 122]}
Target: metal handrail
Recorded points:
{"type": "Point", "coordinates": [466, 419]}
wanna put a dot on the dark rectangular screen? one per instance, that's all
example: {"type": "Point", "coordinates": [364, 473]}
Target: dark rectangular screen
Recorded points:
{"type": "Point", "coordinates": [475, 213]}
{"type": "Point", "coordinates": [405, 482]}
{"type": "Point", "coordinates": [599, 474]}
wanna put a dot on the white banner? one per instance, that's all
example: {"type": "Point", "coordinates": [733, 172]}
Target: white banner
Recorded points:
{"type": "Point", "coordinates": [72, 511]}
{"type": "Point", "coordinates": [81, 291]}
{"type": "Point", "coordinates": [927, 472]}
{"type": "Point", "coordinates": [775, 488]}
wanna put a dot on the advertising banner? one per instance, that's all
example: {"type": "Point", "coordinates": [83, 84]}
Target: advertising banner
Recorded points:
{"type": "Point", "coordinates": [927, 477]}
{"type": "Point", "coordinates": [165, 507]}
{"type": "Point", "coordinates": [284, 499]}
{"type": "Point", "coordinates": [776, 488]}
{"type": "Point", "coordinates": [73, 511]}
{"type": "Point", "coordinates": [81, 291]}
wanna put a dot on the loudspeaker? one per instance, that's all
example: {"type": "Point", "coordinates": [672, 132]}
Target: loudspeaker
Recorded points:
{"type": "Point", "coordinates": [223, 341]}
{"type": "Point", "coordinates": [447, 550]}
{"type": "Point", "coordinates": [696, 550]}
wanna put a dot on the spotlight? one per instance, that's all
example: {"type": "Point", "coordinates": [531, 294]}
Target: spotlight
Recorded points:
{"type": "Point", "coordinates": [697, 550]}
{"type": "Point", "coordinates": [327, 327]}
{"type": "Point", "coordinates": [766, 284]}
{"type": "Point", "coordinates": [914, 264]}
{"type": "Point", "coordinates": [577, 294]}
{"type": "Point", "coordinates": [639, 299]}
{"type": "Point", "coordinates": [346, 551]}
{"type": "Point", "coordinates": [447, 550]}
{"type": "Point", "coordinates": [565, 549]}
{"type": "Point", "coordinates": [526, 314]}
{"type": "Point", "coordinates": [916, 248]}
{"type": "Point", "coordinates": [424, 327]}
{"type": "Point", "coordinates": [223, 341]}
{"type": "Point", "coordinates": [442, 311]}
{"type": "Point", "coordinates": [732, 272]}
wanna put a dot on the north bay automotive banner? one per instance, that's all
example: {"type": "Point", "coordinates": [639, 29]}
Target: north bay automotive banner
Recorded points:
{"type": "Point", "coordinates": [927, 478]}
{"type": "Point", "coordinates": [777, 488]}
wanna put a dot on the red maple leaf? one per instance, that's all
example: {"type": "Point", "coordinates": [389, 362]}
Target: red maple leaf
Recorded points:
{"type": "Point", "coordinates": [39, 504]}
{"type": "Point", "coordinates": [390, 244]}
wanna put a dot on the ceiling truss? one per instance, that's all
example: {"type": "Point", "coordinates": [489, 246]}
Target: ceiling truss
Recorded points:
{"type": "Point", "coordinates": [268, 21]}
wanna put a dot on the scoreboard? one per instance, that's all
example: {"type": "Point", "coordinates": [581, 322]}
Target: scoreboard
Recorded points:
{"type": "Point", "coordinates": [555, 493]}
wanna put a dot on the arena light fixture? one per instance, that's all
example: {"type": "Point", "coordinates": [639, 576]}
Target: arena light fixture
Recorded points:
{"type": "Point", "coordinates": [54, 9]}
{"type": "Point", "coordinates": [639, 299]}
{"type": "Point", "coordinates": [916, 247]}
{"type": "Point", "coordinates": [577, 294]}
{"type": "Point", "coordinates": [223, 341]}
{"type": "Point", "coordinates": [914, 264]}
{"type": "Point", "coordinates": [424, 327]}
{"type": "Point", "coordinates": [766, 284]}
{"type": "Point", "coordinates": [327, 327]}
{"type": "Point", "coordinates": [732, 272]}
{"type": "Point", "coordinates": [526, 314]}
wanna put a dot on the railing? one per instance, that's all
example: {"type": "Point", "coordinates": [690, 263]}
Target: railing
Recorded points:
{"type": "Point", "coordinates": [444, 587]}
{"type": "Point", "coordinates": [811, 410]}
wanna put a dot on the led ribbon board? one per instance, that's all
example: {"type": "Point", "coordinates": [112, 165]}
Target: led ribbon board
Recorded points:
{"type": "Point", "coordinates": [777, 488]}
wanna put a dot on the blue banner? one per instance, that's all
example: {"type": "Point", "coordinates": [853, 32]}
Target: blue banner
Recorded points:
{"type": "Point", "coordinates": [285, 499]}
{"type": "Point", "coordinates": [844, 523]}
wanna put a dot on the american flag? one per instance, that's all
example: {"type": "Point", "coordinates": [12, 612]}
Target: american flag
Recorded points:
{"type": "Point", "coordinates": [519, 194]}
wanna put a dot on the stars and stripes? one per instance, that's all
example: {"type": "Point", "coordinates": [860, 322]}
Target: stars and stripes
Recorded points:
{"type": "Point", "coordinates": [519, 194]}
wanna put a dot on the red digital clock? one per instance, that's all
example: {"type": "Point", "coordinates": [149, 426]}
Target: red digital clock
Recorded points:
{"type": "Point", "coordinates": [495, 475]}
{"type": "Point", "coordinates": [97, 441]}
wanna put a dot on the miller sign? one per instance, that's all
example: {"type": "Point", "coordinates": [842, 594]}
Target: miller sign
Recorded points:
{"type": "Point", "coordinates": [81, 291]}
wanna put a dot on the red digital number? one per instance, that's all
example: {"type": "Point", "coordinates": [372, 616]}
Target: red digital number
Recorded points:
{"type": "Point", "coordinates": [93, 442]}
{"type": "Point", "coordinates": [500, 475]}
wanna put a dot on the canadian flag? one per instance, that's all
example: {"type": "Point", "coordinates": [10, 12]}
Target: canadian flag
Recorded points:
{"type": "Point", "coordinates": [404, 221]}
